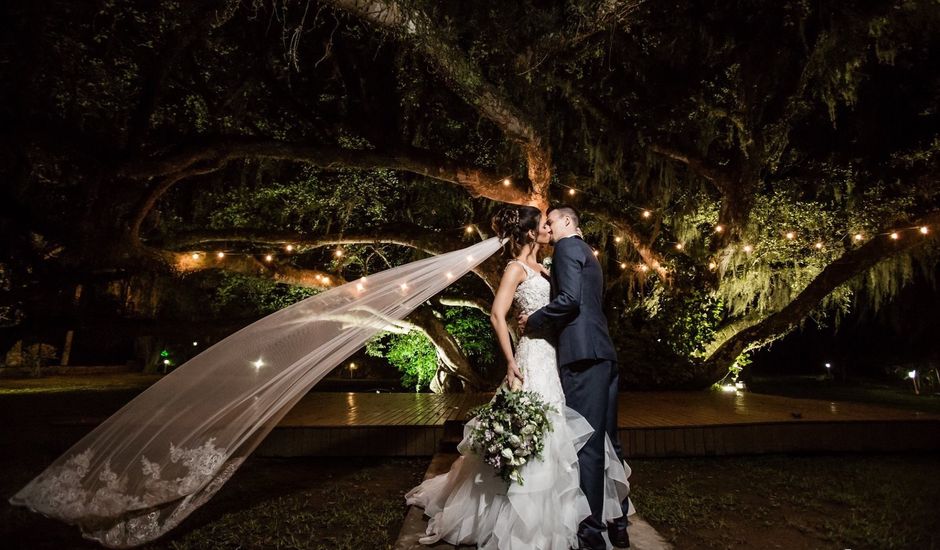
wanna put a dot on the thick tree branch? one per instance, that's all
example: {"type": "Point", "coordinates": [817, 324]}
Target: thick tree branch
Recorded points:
{"type": "Point", "coordinates": [465, 78]}
{"type": "Point", "coordinates": [852, 264]}
{"type": "Point", "coordinates": [412, 236]}
{"type": "Point", "coordinates": [207, 157]}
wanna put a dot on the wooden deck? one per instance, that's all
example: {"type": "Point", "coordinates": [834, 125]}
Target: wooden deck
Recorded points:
{"type": "Point", "coordinates": [651, 424]}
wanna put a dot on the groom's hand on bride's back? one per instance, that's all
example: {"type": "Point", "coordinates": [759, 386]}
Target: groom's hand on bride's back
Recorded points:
{"type": "Point", "coordinates": [523, 318]}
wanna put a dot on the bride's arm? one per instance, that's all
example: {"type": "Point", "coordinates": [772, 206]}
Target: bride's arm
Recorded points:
{"type": "Point", "coordinates": [512, 276]}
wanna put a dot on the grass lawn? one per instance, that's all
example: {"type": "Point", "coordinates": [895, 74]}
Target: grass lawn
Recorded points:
{"type": "Point", "coordinates": [794, 502]}
{"type": "Point", "coordinates": [61, 383]}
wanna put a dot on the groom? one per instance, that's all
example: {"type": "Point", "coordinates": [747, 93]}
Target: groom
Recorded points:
{"type": "Point", "coordinates": [587, 363]}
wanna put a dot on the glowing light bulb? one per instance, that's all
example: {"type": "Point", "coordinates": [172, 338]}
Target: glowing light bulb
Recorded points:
{"type": "Point", "coordinates": [326, 280]}
{"type": "Point", "coordinates": [712, 265]}
{"type": "Point", "coordinates": [469, 229]}
{"type": "Point", "coordinates": [859, 236]}
{"type": "Point", "coordinates": [195, 255]}
{"type": "Point", "coordinates": [678, 246]}
{"type": "Point", "coordinates": [289, 248]}
{"type": "Point", "coordinates": [719, 228]}
{"type": "Point", "coordinates": [268, 258]}
{"type": "Point", "coordinates": [728, 388]}
{"type": "Point", "coordinates": [647, 213]}
{"type": "Point", "coordinates": [507, 182]}
{"type": "Point", "coordinates": [166, 361]}
{"type": "Point", "coordinates": [912, 374]}
{"type": "Point", "coordinates": [195, 344]}
{"type": "Point", "coordinates": [339, 253]}
{"type": "Point", "coordinates": [748, 248]}
{"type": "Point", "coordinates": [352, 366]}
{"type": "Point", "coordinates": [828, 365]}
{"type": "Point", "coordinates": [596, 252]}
{"type": "Point", "coordinates": [571, 192]}
{"type": "Point", "coordinates": [924, 230]}
{"type": "Point", "coordinates": [895, 236]}
{"type": "Point", "coordinates": [819, 246]}
{"type": "Point", "coordinates": [258, 364]}
{"type": "Point", "coordinates": [791, 235]}
{"type": "Point", "coordinates": [617, 239]}
{"type": "Point", "coordinates": [644, 268]}
{"type": "Point", "coordinates": [220, 255]}
{"type": "Point", "coordinates": [623, 266]}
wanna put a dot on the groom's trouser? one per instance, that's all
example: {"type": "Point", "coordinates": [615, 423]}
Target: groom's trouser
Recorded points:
{"type": "Point", "coordinates": [591, 389]}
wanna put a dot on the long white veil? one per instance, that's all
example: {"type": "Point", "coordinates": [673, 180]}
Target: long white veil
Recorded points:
{"type": "Point", "coordinates": [165, 453]}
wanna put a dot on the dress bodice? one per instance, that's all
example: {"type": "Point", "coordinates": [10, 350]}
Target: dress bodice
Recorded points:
{"type": "Point", "coordinates": [535, 351]}
{"type": "Point", "coordinates": [532, 293]}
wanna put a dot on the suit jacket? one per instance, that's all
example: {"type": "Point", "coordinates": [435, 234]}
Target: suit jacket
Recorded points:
{"type": "Point", "coordinates": [576, 309]}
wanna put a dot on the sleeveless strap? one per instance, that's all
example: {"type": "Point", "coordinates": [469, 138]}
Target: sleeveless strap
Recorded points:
{"type": "Point", "coordinates": [528, 270]}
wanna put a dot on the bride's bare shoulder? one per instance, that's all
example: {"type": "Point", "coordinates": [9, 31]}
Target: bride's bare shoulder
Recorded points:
{"type": "Point", "coordinates": [514, 271]}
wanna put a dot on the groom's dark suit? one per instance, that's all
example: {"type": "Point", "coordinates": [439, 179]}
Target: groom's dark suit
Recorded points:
{"type": "Point", "coordinates": [587, 363]}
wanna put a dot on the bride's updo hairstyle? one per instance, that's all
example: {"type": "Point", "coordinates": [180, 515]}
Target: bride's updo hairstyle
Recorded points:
{"type": "Point", "coordinates": [514, 223]}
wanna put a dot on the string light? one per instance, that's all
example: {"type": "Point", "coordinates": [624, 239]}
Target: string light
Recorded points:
{"type": "Point", "coordinates": [895, 236]}
{"type": "Point", "coordinates": [748, 248]}
{"type": "Point", "coordinates": [268, 258]}
{"type": "Point", "coordinates": [623, 265]}
{"type": "Point", "coordinates": [596, 252]}
{"type": "Point", "coordinates": [923, 230]}
{"type": "Point", "coordinates": [617, 239]}
{"type": "Point", "coordinates": [195, 255]}
{"type": "Point", "coordinates": [819, 246]}
{"type": "Point", "coordinates": [220, 255]}
{"type": "Point", "coordinates": [507, 182]}
{"type": "Point", "coordinates": [326, 280]}
{"type": "Point", "coordinates": [338, 253]}
{"type": "Point", "coordinates": [678, 246]}
{"type": "Point", "coordinates": [289, 248]}
{"type": "Point", "coordinates": [258, 364]}
{"type": "Point", "coordinates": [719, 228]}
{"type": "Point", "coordinates": [791, 235]}
{"type": "Point", "coordinates": [469, 229]}
{"type": "Point", "coordinates": [647, 213]}
{"type": "Point", "coordinates": [195, 344]}
{"type": "Point", "coordinates": [859, 236]}
{"type": "Point", "coordinates": [571, 192]}
{"type": "Point", "coordinates": [644, 268]}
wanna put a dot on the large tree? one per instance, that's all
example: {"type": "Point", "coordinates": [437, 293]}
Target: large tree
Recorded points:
{"type": "Point", "coordinates": [740, 166]}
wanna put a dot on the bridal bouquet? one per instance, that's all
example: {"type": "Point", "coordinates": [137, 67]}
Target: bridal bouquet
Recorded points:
{"type": "Point", "coordinates": [510, 431]}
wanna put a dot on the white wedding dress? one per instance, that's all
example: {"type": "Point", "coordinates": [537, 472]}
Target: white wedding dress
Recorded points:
{"type": "Point", "coordinates": [470, 504]}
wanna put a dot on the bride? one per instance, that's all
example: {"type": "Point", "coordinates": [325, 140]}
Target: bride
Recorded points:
{"type": "Point", "coordinates": [471, 504]}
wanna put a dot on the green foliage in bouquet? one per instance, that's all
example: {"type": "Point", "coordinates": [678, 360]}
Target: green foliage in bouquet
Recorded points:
{"type": "Point", "coordinates": [510, 431]}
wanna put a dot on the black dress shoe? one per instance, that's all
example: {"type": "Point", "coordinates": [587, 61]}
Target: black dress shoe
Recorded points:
{"type": "Point", "coordinates": [618, 534]}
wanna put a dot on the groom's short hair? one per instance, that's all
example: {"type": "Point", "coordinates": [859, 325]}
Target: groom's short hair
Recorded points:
{"type": "Point", "coordinates": [566, 210]}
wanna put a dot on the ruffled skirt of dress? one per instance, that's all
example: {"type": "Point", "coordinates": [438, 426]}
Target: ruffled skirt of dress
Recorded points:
{"type": "Point", "coordinates": [470, 504]}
